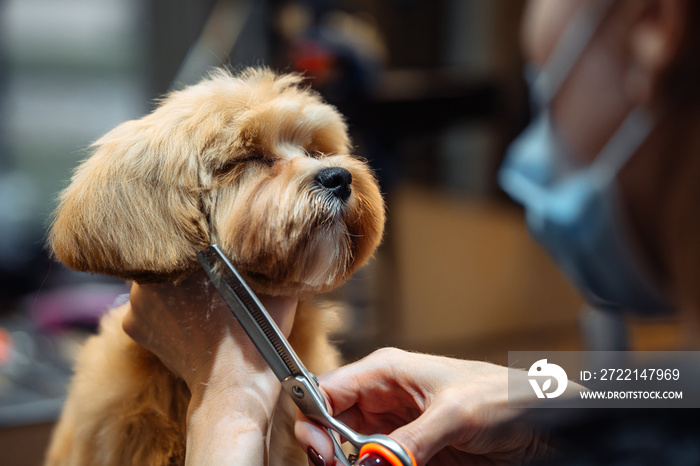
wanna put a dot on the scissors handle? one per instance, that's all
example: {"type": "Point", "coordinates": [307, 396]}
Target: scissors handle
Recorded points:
{"type": "Point", "coordinates": [375, 454]}
{"type": "Point", "coordinates": [308, 398]}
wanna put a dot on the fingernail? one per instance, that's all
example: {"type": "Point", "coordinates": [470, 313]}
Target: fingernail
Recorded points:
{"type": "Point", "coordinates": [315, 458]}
{"type": "Point", "coordinates": [372, 460]}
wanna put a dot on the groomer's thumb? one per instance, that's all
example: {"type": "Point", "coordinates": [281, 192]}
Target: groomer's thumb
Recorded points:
{"type": "Point", "coordinates": [426, 435]}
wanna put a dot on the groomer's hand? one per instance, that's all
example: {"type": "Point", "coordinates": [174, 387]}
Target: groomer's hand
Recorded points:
{"type": "Point", "coordinates": [445, 411]}
{"type": "Point", "coordinates": [186, 324]}
{"type": "Point", "coordinates": [234, 393]}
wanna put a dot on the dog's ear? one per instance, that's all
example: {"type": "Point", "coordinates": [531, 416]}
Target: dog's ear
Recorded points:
{"type": "Point", "coordinates": [133, 209]}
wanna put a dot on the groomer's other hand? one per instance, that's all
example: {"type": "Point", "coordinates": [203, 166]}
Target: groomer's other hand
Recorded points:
{"type": "Point", "coordinates": [185, 325]}
{"type": "Point", "coordinates": [192, 331]}
{"type": "Point", "coordinates": [445, 411]}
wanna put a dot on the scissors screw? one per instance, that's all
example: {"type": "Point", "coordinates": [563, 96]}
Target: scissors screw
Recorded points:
{"type": "Point", "coordinates": [298, 392]}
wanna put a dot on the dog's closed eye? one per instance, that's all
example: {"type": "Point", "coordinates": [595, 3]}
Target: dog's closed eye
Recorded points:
{"type": "Point", "coordinates": [264, 159]}
{"type": "Point", "coordinates": [245, 160]}
{"type": "Point", "coordinates": [315, 154]}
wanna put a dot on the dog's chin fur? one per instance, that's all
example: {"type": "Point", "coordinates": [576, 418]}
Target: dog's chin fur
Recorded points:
{"type": "Point", "coordinates": [233, 160]}
{"type": "Point", "coordinates": [298, 239]}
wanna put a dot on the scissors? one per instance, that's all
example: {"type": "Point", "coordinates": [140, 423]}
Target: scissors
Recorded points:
{"type": "Point", "coordinates": [300, 384]}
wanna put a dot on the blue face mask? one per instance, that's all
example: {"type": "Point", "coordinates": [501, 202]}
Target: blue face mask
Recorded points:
{"type": "Point", "coordinates": [575, 212]}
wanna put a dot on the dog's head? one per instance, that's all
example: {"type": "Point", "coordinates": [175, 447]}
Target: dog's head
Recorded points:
{"type": "Point", "coordinates": [255, 163]}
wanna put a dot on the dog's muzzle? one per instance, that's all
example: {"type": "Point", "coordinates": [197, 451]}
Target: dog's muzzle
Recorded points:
{"type": "Point", "coordinates": [336, 181]}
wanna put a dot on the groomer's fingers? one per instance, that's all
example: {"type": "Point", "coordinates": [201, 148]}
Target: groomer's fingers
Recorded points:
{"type": "Point", "coordinates": [377, 383]}
{"type": "Point", "coordinates": [423, 437]}
{"type": "Point", "coordinates": [429, 433]}
{"type": "Point", "coordinates": [311, 435]}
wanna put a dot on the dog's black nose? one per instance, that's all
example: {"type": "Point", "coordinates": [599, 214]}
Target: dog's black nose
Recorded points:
{"type": "Point", "coordinates": [337, 181]}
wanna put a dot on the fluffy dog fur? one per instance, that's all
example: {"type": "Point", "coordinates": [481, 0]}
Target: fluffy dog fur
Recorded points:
{"type": "Point", "coordinates": [232, 160]}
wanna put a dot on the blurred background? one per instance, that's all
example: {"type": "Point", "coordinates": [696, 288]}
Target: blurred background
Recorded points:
{"type": "Point", "coordinates": [433, 93]}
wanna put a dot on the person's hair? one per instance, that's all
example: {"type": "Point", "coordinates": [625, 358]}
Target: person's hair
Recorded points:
{"type": "Point", "coordinates": [680, 85]}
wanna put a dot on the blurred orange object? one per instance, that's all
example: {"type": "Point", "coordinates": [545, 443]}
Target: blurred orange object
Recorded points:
{"type": "Point", "coordinates": [6, 346]}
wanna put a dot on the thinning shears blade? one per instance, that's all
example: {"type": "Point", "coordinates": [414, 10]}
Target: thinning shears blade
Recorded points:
{"type": "Point", "coordinates": [251, 314]}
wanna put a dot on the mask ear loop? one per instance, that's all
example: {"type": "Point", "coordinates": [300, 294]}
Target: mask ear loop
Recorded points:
{"type": "Point", "coordinates": [568, 50]}
{"type": "Point", "coordinates": [630, 135]}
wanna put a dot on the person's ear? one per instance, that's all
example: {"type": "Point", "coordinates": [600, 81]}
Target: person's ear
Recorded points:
{"type": "Point", "coordinates": [656, 36]}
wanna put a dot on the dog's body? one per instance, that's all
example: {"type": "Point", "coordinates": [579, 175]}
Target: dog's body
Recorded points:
{"type": "Point", "coordinates": [253, 163]}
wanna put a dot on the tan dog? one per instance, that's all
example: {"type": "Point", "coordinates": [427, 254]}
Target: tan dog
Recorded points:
{"type": "Point", "coordinates": [254, 163]}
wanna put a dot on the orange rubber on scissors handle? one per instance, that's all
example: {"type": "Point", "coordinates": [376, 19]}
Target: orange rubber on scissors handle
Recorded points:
{"type": "Point", "coordinates": [385, 453]}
